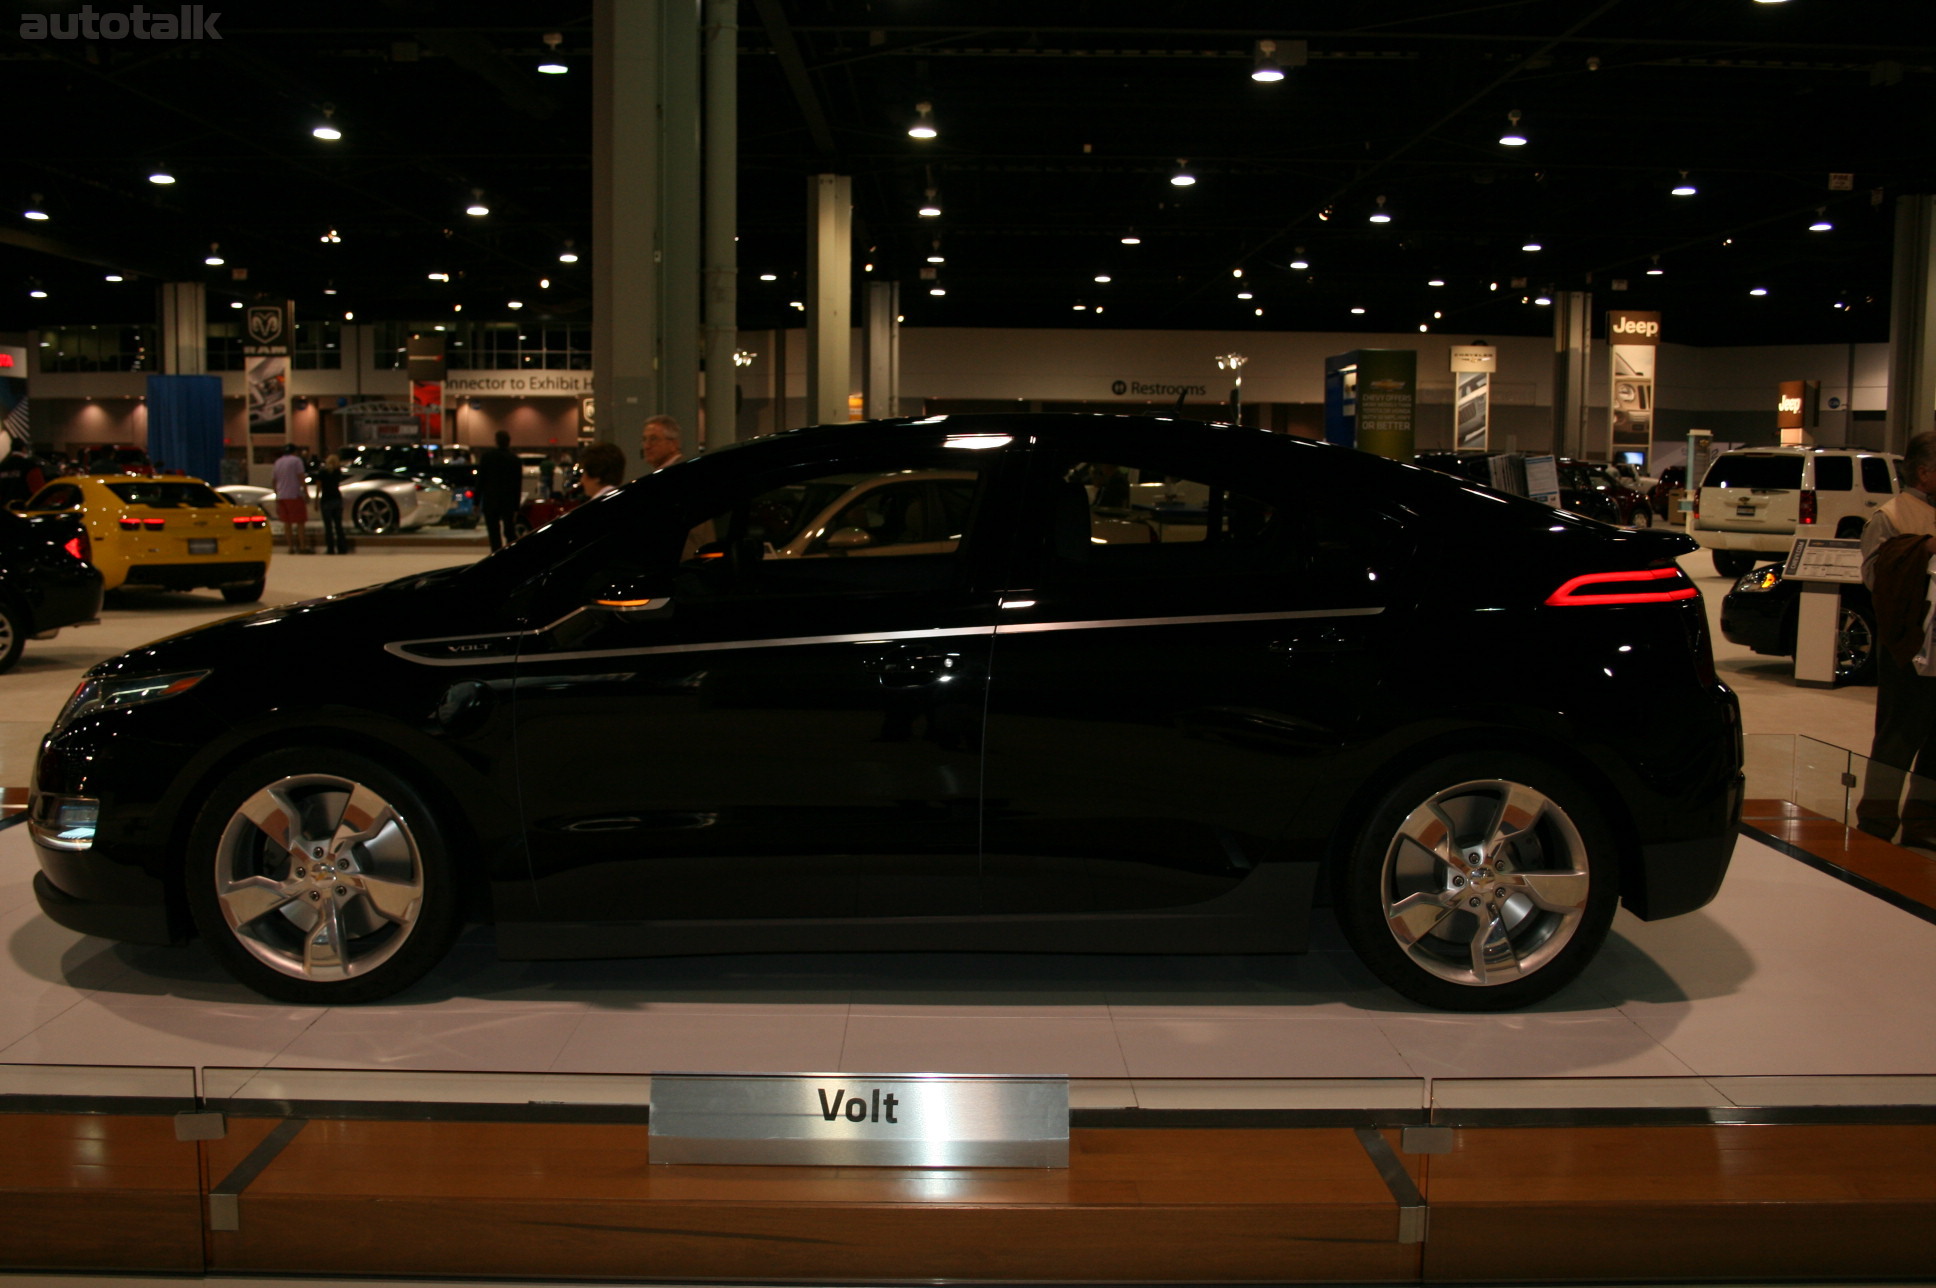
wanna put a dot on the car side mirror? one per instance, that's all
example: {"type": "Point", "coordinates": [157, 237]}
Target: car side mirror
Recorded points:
{"type": "Point", "coordinates": [632, 597]}
{"type": "Point", "coordinates": [850, 539]}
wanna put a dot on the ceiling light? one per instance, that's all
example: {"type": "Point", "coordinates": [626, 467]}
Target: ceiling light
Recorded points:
{"type": "Point", "coordinates": [1656, 272]}
{"type": "Point", "coordinates": [235, 304]}
{"type": "Point", "coordinates": [326, 132]}
{"type": "Point", "coordinates": [331, 237]}
{"type": "Point", "coordinates": [769, 277]}
{"type": "Point", "coordinates": [330, 289]}
{"type": "Point", "coordinates": [797, 304]}
{"type": "Point", "coordinates": [349, 315]}
{"type": "Point", "coordinates": [1821, 224]}
{"type": "Point", "coordinates": [1542, 299]}
{"type": "Point", "coordinates": [1357, 310]}
{"type": "Point", "coordinates": [34, 211]}
{"type": "Point", "coordinates": [1300, 263]}
{"type": "Point", "coordinates": [1182, 178]}
{"type": "Point", "coordinates": [1131, 239]}
{"type": "Point", "coordinates": [1532, 245]}
{"type": "Point", "coordinates": [1079, 308]}
{"type": "Point", "coordinates": [160, 175]}
{"type": "Point", "coordinates": [930, 209]}
{"type": "Point", "coordinates": [1266, 70]}
{"type": "Point", "coordinates": [1236, 272]}
{"type": "Point", "coordinates": [214, 257]}
{"type": "Point", "coordinates": [514, 304]}
{"type": "Point", "coordinates": [937, 290]}
{"type": "Point", "coordinates": [1422, 327]}
{"type": "Point", "coordinates": [551, 66]}
{"type": "Point", "coordinates": [1513, 138]}
{"type": "Point", "coordinates": [544, 283]}
{"type": "Point", "coordinates": [923, 127]}
{"type": "Point", "coordinates": [568, 255]}
{"type": "Point", "coordinates": [934, 252]}
{"type": "Point", "coordinates": [439, 277]}
{"type": "Point", "coordinates": [1380, 215]}
{"type": "Point", "coordinates": [1683, 188]}
{"type": "Point", "coordinates": [1758, 290]}
{"type": "Point", "coordinates": [477, 207]}
{"type": "Point", "coordinates": [114, 277]}
{"type": "Point", "coordinates": [37, 293]}
{"type": "Point", "coordinates": [553, 69]}
{"type": "Point", "coordinates": [1244, 295]}
{"type": "Point", "coordinates": [1437, 281]}
{"type": "Point", "coordinates": [1102, 277]}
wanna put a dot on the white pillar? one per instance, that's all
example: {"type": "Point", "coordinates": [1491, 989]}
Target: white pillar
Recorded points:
{"type": "Point", "coordinates": [1912, 321]}
{"type": "Point", "coordinates": [830, 267]}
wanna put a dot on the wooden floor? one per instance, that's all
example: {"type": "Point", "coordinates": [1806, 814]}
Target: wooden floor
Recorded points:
{"type": "Point", "coordinates": [111, 1193]}
{"type": "Point", "coordinates": [1906, 877]}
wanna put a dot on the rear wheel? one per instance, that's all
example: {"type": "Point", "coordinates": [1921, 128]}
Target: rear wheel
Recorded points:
{"type": "Point", "coordinates": [248, 594]}
{"type": "Point", "coordinates": [13, 635]}
{"type": "Point", "coordinates": [1480, 883]}
{"type": "Point", "coordinates": [1733, 563]}
{"type": "Point", "coordinates": [375, 514]}
{"type": "Point", "coordinates": [318, 876]}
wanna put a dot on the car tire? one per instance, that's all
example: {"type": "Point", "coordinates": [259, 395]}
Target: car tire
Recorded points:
{"type": "Point", "coordinates": [1405, 895]}
{"type": "Point", "coordinates": [14, 630]}
{"type": "Point", "coordinates": [357, 904]}
{"type": "Point", "coordinates": [375, 514]}
{"type": "Point", "coordinates": [1733, 563]}
{"type": "Point", "coordinates": [248, 594]}
{"type": "Point", "coordinates": [1643, 517]}
{"type": "Point", "coordinates": [1855, 647]}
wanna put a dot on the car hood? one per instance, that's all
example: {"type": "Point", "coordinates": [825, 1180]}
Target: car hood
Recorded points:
{"type": "Point", "coordinates": [315, 638]}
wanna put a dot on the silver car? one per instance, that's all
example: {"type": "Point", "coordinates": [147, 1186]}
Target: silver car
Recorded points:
{"type": "Point", "coordinates": [372, 505]}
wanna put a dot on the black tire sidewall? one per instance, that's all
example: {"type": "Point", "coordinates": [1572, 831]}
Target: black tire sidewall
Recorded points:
{"type": "Point", "coordinates": [17, 641]}
{"type": "Point", "coordinates": [430, 937]}
{"type": "Point", "coordinates": [1358, 892]}
{"type": "Point", "coordinates": [1733, 563]}
{"type": "Point", "coordinates": [387, 509]}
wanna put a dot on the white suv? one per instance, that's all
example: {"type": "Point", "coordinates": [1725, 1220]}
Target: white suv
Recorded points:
{"type": "Point", "coordinates": [1754, 501]}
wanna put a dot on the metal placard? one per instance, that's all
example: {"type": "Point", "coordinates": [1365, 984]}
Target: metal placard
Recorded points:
{"type": "Point", "coordinates": [860, 1120]}
{"type": "Point", "coordinates": [1837, 559]}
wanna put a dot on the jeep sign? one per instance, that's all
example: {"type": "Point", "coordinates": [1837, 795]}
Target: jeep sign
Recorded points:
{"type": "Point", "coordinates": [1633, 328]}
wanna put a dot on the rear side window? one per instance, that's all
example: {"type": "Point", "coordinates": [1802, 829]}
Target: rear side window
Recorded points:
{"type": "Point", "coordinates": [1755, 472]}
{"type": "Point", "coordinates": [56, 496]}
{"type": "Point", "coordinates": [1875, 474]}
{"type": "Point", "coordinates": [1834, 474]}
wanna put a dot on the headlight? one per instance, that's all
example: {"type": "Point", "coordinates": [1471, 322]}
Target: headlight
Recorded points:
{"type": "Point", "coordinates": [1760, 579]}
{"type": "Point", "coordinates": [125, 691]}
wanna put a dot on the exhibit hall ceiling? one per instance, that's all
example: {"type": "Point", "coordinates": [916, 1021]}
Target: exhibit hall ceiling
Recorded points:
{"type": "Point", "coordinates": [1735, 165]}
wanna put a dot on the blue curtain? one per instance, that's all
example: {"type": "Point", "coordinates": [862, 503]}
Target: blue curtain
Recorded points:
{"type": "Point", "coordinates": [185, 424]}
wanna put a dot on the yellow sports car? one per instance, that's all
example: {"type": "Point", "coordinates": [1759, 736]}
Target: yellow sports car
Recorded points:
{"type": "Point", "coordinates": [170, 531]}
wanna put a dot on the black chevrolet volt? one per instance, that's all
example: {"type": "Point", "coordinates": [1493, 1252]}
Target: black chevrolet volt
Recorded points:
{"type": "Point", "coordinates": [995, 683]}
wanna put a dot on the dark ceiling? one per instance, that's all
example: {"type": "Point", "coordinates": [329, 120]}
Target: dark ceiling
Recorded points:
{"type": "Point", "coordinates": [1060, 125]}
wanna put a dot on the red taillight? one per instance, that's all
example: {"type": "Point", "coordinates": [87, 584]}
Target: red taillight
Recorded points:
{"type": "Point", "coordinates": [1641, 587]}
{"type": "Point", "coordinates": [77, 546]}
{"type": "Point", "coordinates": [469, 495]}
{"type": "Point", "coordinates": [1808, 505]}
{"type": "Point", "coordinates": [136, 525]}
{"type": "Point", "coordinates": [250, 521]}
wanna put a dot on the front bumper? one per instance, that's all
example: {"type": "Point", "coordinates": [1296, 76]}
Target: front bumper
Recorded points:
{"type": "Point", "coordinates": [129, 923]}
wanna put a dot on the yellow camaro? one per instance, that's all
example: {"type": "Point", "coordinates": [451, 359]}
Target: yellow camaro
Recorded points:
{"type": "Point", "coordinates": [171, 531]}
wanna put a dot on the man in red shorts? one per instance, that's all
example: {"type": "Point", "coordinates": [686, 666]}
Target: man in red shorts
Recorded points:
{"type": "Point", "coordinates": [292, 500]}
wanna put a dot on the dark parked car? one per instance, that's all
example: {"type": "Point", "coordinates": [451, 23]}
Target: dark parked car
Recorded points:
{"type": "Point", "coordinates": [46, 582]}
{"type": "Point", "coordinates": [1762, 609]}
{"type": "Point", "coordinates": [1592, 489]}
{"type": "Point", "coordinates": [666, 724]}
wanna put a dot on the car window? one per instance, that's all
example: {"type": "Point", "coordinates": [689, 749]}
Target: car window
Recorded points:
{"type": "Point", "coordinates": [1875, 474]}
{"type": "Point", "coordinates": [56, 496]}
{"type": "Point", "coordinates": [1164, 523]}
{"type": "Point", "coordinates": [1752, 471]}
{"type": "Point", "coordinates": [166, 495]}
{"type": "Point", "coordinates": [1834, 474]}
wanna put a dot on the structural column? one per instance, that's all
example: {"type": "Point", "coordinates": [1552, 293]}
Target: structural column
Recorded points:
{"type": "Point", "coordinates": [1912, 321]}
{"type": "Point", "coordinates": [1572, 345]}
{"type": "Point", "coordinates": [680, 161]}
{"type": "Point", "coordinates": [721, 39]}
{"type": "Point", "coordinates": [880, 350]}
{"type": "Point", "coordinates": [830, 266]}
{"type": "Point", "coordinates": [183, 307]}
{"type": "Point", "coordinates": [625, 219]}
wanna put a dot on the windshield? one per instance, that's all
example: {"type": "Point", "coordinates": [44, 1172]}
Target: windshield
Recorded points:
{"type": "Point", "coordinates": [167, 496]}
{"type": "Point", "coordinates": [1751, 471]}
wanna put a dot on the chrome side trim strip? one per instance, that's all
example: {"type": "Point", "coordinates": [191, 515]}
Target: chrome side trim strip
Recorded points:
{"type": "Point", "coordinates": [399, 648]}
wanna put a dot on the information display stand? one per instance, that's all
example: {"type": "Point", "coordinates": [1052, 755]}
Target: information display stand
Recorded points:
{"type": "Point", "coordinates": [1823, 565]}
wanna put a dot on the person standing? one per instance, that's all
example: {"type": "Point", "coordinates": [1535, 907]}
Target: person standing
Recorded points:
{"type": "Point", "coordinates": [500, 484]}
{"type": "Point", "coordinates": [603, 468]}
{"type": "Point", "coordinates": [660, 445]}
{"type": "Point", "coordinates": [329, 504]}
{"type": "Point", "coordinates": [1897, 544]}
{"type": "Point", "coordinates": [292, 500]}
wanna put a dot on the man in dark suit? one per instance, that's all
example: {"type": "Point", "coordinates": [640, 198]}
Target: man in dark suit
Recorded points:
{"type": "Point", "coordinates": [500, 487]}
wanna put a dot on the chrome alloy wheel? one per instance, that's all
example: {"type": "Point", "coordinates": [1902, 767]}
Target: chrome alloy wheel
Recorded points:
{"type": "Point", "coordinates": [319, 877]}
{"type": "Point", "coordinates": [1485, 882]}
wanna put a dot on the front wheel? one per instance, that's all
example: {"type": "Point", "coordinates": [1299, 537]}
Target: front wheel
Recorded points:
{"type": "Point", "coordinates": [1855, 647]}
{"type": "Point", "coordinates": [375, 514]}
{"type": "Point", "coordinates": [317, 876]}
{"type": "Point", "coordinates": [13, 635]}
{"type": "Point", "coordinates": [1733, 563]}
{"type": "Point", "coordinates": [1480, 883]}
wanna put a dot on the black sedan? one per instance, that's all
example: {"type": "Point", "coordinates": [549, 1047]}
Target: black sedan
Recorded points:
{"type": "Point", "coordinates": [1762, 611]}
{"type": "Point", "coordinates": [964, 717]}
{"type": "Point", "coordinates": [46, 582]}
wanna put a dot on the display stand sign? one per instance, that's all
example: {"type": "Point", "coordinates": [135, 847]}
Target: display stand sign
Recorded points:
{"type": "Point", "coordinates": [1823, 565]}
{"type": "Point", "coordinates": [1634, 339]}
{"type": "Point", "coordinates": [860, 1120]}
{"type": "Point", "coordinates": [1543, 479]}
{"type": "Point", "coordinates": [1473, 365]}
{"type": "Point", "coordinates": [265, 350]}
